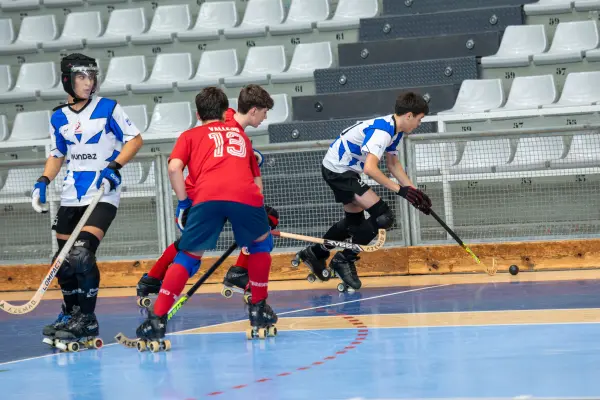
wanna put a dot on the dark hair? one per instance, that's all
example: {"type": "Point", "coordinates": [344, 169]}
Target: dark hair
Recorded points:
{"type": "Point", "coordinates": [211, 103]}
{"type": "Point", "coordinates": [411, 102]}
{"type": "Point", "coordinates": [253, 96]}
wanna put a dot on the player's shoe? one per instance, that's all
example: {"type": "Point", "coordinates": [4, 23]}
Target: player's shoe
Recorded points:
{"type": "Point", "coordinates": [79, 326]}
{"type": "Point", "coordinates": [151, 333]}
{"type": "Point", "coordinates": [146, 287]}
{"type": "Point", "coordinates": [262, 320]}
{"type": "Point", "coordinates": [60, 323]}
{"type": "Point", "coordinates": [345, 267]}
{"type": "Point", "coordinates": [236, 280]}
{"type": "Point", "coordinates": [316, 263]}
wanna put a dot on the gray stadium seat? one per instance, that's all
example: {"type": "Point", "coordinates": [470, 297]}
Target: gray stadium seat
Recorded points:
{"type": "Point", "coordinates": [138, 114]}
{"type": "Point", "coordinates": [122, 24]}
{"type": "Point", "coordinates": [580, 89]}
{"type": "Point", "coordinates": [307, 57]}
{"type": "Point", "coordinates": [348, 14]}
{"type": "Point", "coordinates": [260, 63]}
{"type": "Point", "coordinates": [123, 72]}
{"type": "Point", "coordinates": [5, 79]}
{"type": "Point", "coordinates": [534, 153]}
{"type": "Point", "coordinates": [32, 78]}
{"type": "Point", "coordinates": [545, 7]}
{"type": "Point", "coordinates": [78, 27]}
{"type": "Point", "coordinates": [30, 126]}
{"type": "Point", "coordinates": [480, 156]}
{"type": "Point", "coordinates": [583, 152]}
{"type": "Point", "coordinates": [168, 69]}
{"type": "Point", "coordinates": [21, 5]}
{"type": "Point", "coordinates": [7, 33]}
{"type": "Point", "coordinates": [519, 44]}
{"type": "Point", "coordinates": [34, 30]}
{"type": "Point", "coordinates": [212, 19]}
{"type": "Point", "coordinates": [431, 157]}
{"type": "Point", "coordinates": [3, 128]}
{"type": "Point", "coordinates": [167, 21]}
{"type": "Point", "coordinates": [259, 14]}
{"type": "Point", "coordinates": [478, 95]}
{"type": "Point", "coordinates": [570, 42]}
{"type": "Point", "coordinates": [530, 92]}
{"type": "Point", "coordinates": [63, 3]}
{"type": "Point", "coordinates": [280, 113]}
{"type": "Point", "coordinates": [170, 118]}
{"type": "Point", "coordinates": [213, 68]}
{"type": "Point", "coordinates": [302, 17]}
{"type": "Point", "coordinates": [14, 183]}
{"type": "Point", "coordinates": [587, 5]}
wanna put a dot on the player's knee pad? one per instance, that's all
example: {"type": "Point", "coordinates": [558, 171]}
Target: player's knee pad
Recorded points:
{"type": "Point", "coordinates": [188, 261]}
{"type": "Point", "coordinates": [264, 246]}
{"type": "Point", "coordinates": [65, 273]}
{"type": "Point", "coordinates": [381, 216]}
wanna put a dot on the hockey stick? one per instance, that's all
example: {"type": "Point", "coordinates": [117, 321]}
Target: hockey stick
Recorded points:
{"type": "Point", "coordinates": [33, 303]}
{"type": "Point", "coordinates": [335, 243]}
{"type": "Point", "coordinates": [490, 270]}
{"type": "Point", "coordinates": [127, 342]}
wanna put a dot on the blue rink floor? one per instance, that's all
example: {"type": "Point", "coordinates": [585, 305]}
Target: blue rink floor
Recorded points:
{"type": "Point", "coordinates": [356, 361]}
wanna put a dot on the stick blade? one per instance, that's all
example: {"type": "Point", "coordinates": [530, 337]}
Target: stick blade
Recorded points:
{"type": "Point", "coordinates": [18, 310]}
{"type": "Point", "coordinates": [125, 341]}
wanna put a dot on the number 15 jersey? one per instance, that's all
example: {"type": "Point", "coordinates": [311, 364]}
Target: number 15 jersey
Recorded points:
{"type": "Point", "coordinates": [221, 164]}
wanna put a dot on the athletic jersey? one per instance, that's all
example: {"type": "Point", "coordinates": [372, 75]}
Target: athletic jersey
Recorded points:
{"type": "Point", "coordinates": [349, 151]}
{"type": "Point", "coordinates": [221, 164]}
{"type": "Point", "coordinates": [89, 139]}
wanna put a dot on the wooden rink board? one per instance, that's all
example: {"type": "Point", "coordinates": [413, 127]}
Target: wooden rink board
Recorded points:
{"type": "Point", "coordinates": [427, 260]}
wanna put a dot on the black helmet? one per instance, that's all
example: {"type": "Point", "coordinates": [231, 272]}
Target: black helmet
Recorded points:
{"type": "Point", "coordinates": [74, 64]}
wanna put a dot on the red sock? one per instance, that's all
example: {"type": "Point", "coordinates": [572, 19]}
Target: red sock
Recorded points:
{"type": "Point", "coordinates": [259, 266]}
{"type": "Point", "coordinates": [242, 260]}
{"type": "Point", "coordinates": [159, 270]}
{"type": "Point", "coordinates": [173, 284]}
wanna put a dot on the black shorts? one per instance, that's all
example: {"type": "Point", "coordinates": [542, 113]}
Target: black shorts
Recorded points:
{"type": "Point", "coordinates": [67, 218]}
{"type": "Point", "coordinates": [345, 185]}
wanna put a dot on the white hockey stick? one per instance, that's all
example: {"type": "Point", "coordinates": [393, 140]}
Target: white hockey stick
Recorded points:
{"type": "Point", "coordinates": [33, 303]}
{"type": "Point", "coordinates": [335, 243]}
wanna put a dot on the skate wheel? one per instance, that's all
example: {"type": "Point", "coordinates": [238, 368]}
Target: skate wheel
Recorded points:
{"type": "Point", "coordinates": [247, 298]}
{"type": "Point", "coordinates": [60, 345]}
{"type": "Point", "coordinates": [227, 293]}
{"type": "Point", "coordinates": [166, 345]}
{"type": "Point", "coordinates": [249, 334]}
{"type": "Point", "coordinates": [295, 263]}
{"type": "Point", "coordinates": [272, 331]}
{"type": "Point", "coordinates": [48, 341]}
{"type": "Point", "coordinates": [141, 346]}
{"type": "Point", "coordinates": [97, 343]}
{"type": "Point", "coordinates": [311, 278]}
{"type": "Point", "coordinates": [325, 273]}
{"type": "Point", "coordinates": [341, 287]}
{"type": "Point", "coordinates": [146, 302]}
{"type": "Point", "coordinates": [73, 346]}
{"type": "Point", "coordinates": [262, 333]}
{"type": "Point", "coordinates": [154, 347]}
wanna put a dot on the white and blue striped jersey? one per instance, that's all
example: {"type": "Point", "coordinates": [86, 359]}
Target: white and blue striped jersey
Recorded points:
{"type": "Point", "coordinates": [349, 151]}
{"type": "Point", "coordinates": [89, 139]}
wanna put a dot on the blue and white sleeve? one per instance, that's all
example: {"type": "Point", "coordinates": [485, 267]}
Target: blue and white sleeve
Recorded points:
{"type": "Point", "coordinates": [376, 142]}
{"type": "Point", "coordinates": [393, 147]}
{"type": "Point", "coordinates": [58, 146]}
{"type": "Point", "coordinates": [121, 126]}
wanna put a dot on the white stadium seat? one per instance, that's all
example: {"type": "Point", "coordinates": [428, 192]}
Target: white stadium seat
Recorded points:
{"type": "Point", "coordinates": [348, 14]}
{"type": "Point", "coordinates": [123, 72]}
{"type": "Point", "coordinates": [138, 114]}
{"type": "Point", "coordinates": [171, 118]}
{"type": "Point", "coordinates": [168, 69]}
{"type": "Point", "coordinates": [478, 95]}
{"type": "Point", "coordinates": [306, 59]}
{"type": "Point", "coordinates": [78, 27]}
{"type": "Point", "coordinates": [122, 24]}
{"type": "Point", "coordinates": [480, 156]}
{"type": "Point", "coordinates": [580, 89]}
{"type": "Point", "coordinates": [212, 19]}
{"type": "Point", "coordinates": [258, 16]}
{"type": "Point", "coordinates": [570, 42]}
{"type": "Point", "coordinates": [7, 33]}
{"type": "Point", "coordinates": [544, 7]}
{"type": "Point", "coordinates": [32, 78]}
{"type": "Point", "coordinates": [34, 30]}
{"type": "Point", "coordinates": [302, 17]}
{"type": "Point", "coordinates": [534, 153]}
{"type": "Point", "coordinates": [167, 21]}
{"type": "Point", "coordinates": [279, 114]}
{"type": "Point", "coordinates": [213, 68]}
{"type": "Point", "coordinates": [30, 126]}
{"type": "Point", "coordinates": [530, 92]}
{"type": "Point", "coordinates": [519, 44]}
{"type": "Point", "coordinates": [260, 63]}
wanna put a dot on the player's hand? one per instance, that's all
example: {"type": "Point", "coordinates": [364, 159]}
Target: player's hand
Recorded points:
{"type": "Point", "coordinates": [183, 208]}
{"type": "Point", "coordinates": [38, 195]}
{"type": "Point", "coordinates": [273, 217]}
{"type": "Point", "coordinates": [416, 197]}
{"type": "Point", "coordinates": [110, 176]}
{"type": "Point", "coordinates": [259, 157]}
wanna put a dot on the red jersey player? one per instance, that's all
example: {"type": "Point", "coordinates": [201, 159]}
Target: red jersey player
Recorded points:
{"type": "Point", "coordinates": [251, 98]}
{"type": "Point", "coordinates": [227, 187]}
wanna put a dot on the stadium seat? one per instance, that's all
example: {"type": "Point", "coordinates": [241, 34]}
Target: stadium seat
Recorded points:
{"type": "Point", "coordinates": [21, 5]}
{"type": "Point", "coordinates": [302, 17]}
{"type": "Point", "coordinates": [3, 128]}
{"type": "Point", "coordinates": [32, 78]}
{"type": "Point", "coordinates": [260, 63]}
{"type": "Point", "coordinates": [63, 3]}
{"type": "Point", "coordinates": [122, 24]}
{"type": "Point", "coordinates": [259, 14]}
{"type": "Point", "coordinates": [544, 7]}
{"type": "Point", "coordinates": [123, 72]}
{"type": "Point", "coordinates": [279, 114]}
{"type": "Point", "coordinates": [5, 79]}
{"type": "Point", "coordinates": [431, 157]}
{"type": "Point", "coordinates": [348, 14]}
{"type": "Point", "coordinates": [213, 68]}
{"type": "Point", "coordinates": [168, 69]}
{"type": "Point", "coordinates": [7, 33]}
{"type": "Point", "coordinates": [583, 152]}
{"type": "Point", "coordinates": [571, 39]}
{"type": "Point", "coordinates": [307, 57]}
{"type": "Point", "coordinates": [518, 46]}
{"type": "Point", "coordinates": [587, 5]}
{"type": "Point", "coordinates": [17, 180]}
{"type": "Point", "coordinates": [212, 19]}
{"type": "Point", "coordinates": [480, 156]}
{"type": "Point", "coordinates": [478, 95]}
{"type": "Point", "coordinates": [29, 126]}
{"type": "Point", "coordinates": [34, 30]}
{"type": "Point", "coordinates": [534, 153]}
{"type": "Point", "coordinates": [167, 21]}
{"type": "Point", "coordinates": [580, 89]}
{"type": "Point", "coordinates": [170, 118]}
{"type": "Point", "coordinates": [530, 92]}
{"type": "Point", "coordinates": [138, 115]}
{"type": "Point", "coordinates": [78, 27]}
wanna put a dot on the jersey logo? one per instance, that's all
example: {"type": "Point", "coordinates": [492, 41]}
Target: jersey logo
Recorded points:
{"type": "Point", "coordinates": [84, 157]}
{"type": "Point", "coordinates": [78, 127]}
